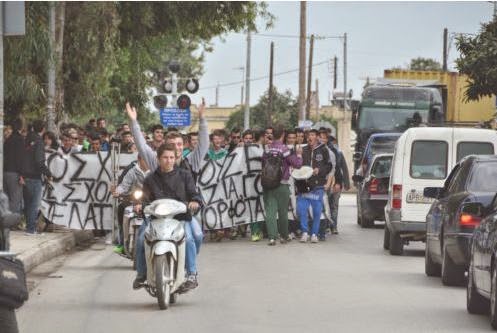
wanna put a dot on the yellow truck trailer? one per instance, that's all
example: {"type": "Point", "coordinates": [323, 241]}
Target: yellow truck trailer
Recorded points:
{"type": "Point", "coordinates": [453, 87]}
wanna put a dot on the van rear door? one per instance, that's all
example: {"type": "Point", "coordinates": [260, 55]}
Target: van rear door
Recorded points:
{"type": "Point", "coordinates": [430, 161]}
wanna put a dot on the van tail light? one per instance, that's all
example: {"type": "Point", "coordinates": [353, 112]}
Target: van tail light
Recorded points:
{"type": "Point", "coordinates": [373, 186]}
{"type": "Point", "coordinates": [397, 196]}
{"type": "Point", "coordinates": [469, 221]}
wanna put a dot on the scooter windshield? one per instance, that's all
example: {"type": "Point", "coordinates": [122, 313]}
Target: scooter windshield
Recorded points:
{"type": "Point", "coordinates": [166, 208]}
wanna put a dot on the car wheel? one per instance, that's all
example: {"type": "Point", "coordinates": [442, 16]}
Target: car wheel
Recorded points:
{"type": "Point", "coordinates": [475, 303]}
{"type": "Point", "coordinates": [493, 300]}
{"type": "Point", "coordinates": [431, 267]}
{"type": "Point", "coordinates": [452, 274]}
{"type": "Point", "coordinates": [386, 238]}
{"type": "Point", "coordinates": [396, 244]}
{"type": "Point", "coordinates": [367, 222]}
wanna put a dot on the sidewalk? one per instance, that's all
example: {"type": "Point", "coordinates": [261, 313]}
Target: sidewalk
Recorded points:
{"type": "Point", "coordinates": [35, 250]}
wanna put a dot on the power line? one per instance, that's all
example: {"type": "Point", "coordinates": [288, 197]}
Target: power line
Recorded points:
{"type": "Point", "coordinates": [261, 77]}
{"type": "Point", "coordinates": [296, 36]}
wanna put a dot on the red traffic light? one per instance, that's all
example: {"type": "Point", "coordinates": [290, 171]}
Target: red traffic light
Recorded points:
{"type": "Point", "coordinates": [160, 101]}
{"type": "Point", "coordinates": [184, 102]}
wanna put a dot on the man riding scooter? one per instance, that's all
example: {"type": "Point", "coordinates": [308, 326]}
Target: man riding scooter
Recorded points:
{"type": "Point", "coordinates": [133, 179]}
{"type": "Point", "coordinates": [171, 182]}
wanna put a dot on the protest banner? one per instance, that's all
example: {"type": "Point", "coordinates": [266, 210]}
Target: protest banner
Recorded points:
{"type": "Point", "coordinates": [79, 196]}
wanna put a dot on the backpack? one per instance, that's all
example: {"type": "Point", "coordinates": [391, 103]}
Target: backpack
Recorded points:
{"type": "Point", "coordinates": [272, 171]}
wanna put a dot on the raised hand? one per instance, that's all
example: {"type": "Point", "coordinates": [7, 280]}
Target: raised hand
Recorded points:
{"type": "Point", "coordinates": [131, 111]}
{"type": "Point", "coordinates": [201, 109]}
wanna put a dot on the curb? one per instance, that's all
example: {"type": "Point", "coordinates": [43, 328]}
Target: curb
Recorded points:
{"type": "Point", "coordinates": [51, 249]}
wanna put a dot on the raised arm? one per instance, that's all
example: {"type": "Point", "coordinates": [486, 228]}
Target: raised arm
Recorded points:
{"type": "Point", "coordinates": [144, 150]}
{"type": "Point", "coordinates": [197, 155]}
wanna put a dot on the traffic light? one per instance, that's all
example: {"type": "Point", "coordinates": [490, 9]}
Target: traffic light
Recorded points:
{"type": "Point", "coordinates": [192, 86]}
{"type": "Point", "coordinates": [184, 102]}
{"type": "Point", "coordinates": [168, 86]}
{"type": "Point", "coordinates": [160, 101]}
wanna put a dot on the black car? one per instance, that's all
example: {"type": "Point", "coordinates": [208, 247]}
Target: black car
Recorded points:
{"type": "Point", "coordinates": [372, 192]}
{"type": "Point", "coordinates": [482, 272]}
{"type": "Point", "coordinates": [448, 227]}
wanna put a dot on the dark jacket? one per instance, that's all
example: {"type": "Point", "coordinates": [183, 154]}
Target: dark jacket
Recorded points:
{"type": "Point", "coordinates": [341, 170]}
{"type": "Point", "coordinates": [13, 157]}
{"type": "Point", "coordinates": [319, 157]}
{"type": "Point", "coordinates": [177, 184]}
{"type": "Point", "coordinates": [34, 157]}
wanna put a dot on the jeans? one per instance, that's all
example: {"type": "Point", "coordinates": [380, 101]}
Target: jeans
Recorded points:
{"type": "Point", "coordinates": [32, 201]}
{"type": "Point", "coordinates": [13, 190]}
{"type": "Point", "coordinates": [334, 208]}
{"type": "Point", "coordinates": [315, 200]}
{"type": "Point", "coordinates": [193, 239]}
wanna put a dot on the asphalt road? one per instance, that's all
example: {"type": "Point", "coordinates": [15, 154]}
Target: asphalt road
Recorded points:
{"type": "Point", "coordinates": [346, 284]}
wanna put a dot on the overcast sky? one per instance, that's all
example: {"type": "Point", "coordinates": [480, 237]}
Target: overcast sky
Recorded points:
{"type": "Point", "coordinates": [380, 35]}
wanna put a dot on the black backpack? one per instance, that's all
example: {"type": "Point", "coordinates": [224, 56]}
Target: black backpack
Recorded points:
{"type": "Point", "coordinates": [272, 171]}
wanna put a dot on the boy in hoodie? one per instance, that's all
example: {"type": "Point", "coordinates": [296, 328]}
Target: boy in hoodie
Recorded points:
{"type": "Point", "coordinates": [317, 156]}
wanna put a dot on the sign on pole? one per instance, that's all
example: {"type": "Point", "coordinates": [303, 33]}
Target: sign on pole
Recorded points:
{"type": "Point", "coordinates": [175, 117]}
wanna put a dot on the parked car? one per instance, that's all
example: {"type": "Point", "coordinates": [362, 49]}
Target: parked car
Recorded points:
{"type": "Point", "coordinates": [448, 228]}
{"type": "Point", "coordinates": [372, 192]}
{"type": "Point", "coordinates": [379, 143]}
{"type": "Point", "coordinates": [481, 292]}
{"type": "Point", "coordinates": [423, 158]}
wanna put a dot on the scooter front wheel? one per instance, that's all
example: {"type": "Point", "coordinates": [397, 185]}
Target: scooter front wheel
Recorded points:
{"type": "Point", "coordinates": [163, 288]}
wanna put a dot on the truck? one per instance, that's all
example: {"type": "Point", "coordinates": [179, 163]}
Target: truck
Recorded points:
{"type": "Point", "coordinates": [405, 98]}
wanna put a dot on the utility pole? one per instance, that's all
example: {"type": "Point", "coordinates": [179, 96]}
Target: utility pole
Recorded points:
{"type": "Point", "coordinates": [270, 102]}
{"type": "Point", "coordinates": [217, 95]}
{"type": "Point", "coordinates": [335, 65]}
{"type": "Point", "coordinates": [246, 115]}
{"type": "Point", "coordinates": [444, 66]}
{"type": "Point", "coordinates": [302, 55]}
{"type": "Point", "coordinates": [345, 71]}
{"type": "Point", "coordinates": [309, 80]}
{"type": "Point", "coordinates": [1, 94]}
{"type": "Point", "coordinates": [51, 72]}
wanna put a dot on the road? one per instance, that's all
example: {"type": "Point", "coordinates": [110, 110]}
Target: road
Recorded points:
{"type": "Point", "coordinates": [346, 284]}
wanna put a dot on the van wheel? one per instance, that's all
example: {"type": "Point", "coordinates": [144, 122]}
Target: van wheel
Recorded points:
{"type": "Point", "coordinates": [493, 300]}
{"type": "Point", "coordinates": [386, 238]}
{"type": "Point", "coordinates": [396, 244]}
{"type": "Point", "coordinates": [452, 274]}
{"type": "Point", "coordinates": [431, 267]}
{"type": "Point", "coordinates": [475, 303]}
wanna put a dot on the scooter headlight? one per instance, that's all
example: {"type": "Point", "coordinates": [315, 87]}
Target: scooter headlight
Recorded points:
{"type": "Point", "coordinates": [138, 194]}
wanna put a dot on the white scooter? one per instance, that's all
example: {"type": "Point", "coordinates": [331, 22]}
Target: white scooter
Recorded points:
{"type": "Point", "coordinates": [165, 251]}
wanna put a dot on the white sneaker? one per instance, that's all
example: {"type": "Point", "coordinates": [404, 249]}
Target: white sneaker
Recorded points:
{"type": "Point", "coordinates": [108, 239]}
{"type": "Point", "coordinates": [304, 238]}
{"type": "Point", "coordinates": [291, 236]}
{"type": "Point", "coordinates": [314, 239]}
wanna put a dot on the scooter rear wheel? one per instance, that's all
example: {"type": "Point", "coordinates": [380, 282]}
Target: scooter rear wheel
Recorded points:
{"type": "Point", "coordinates": [163, 288]}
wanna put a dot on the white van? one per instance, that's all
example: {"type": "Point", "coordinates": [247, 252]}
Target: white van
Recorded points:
{"type": "Point", "coordinates": [424, 157]}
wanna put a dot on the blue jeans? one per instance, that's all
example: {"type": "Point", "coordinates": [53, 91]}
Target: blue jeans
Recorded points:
{"type": "Point", "coordinates": [315, 200]}
{"type": "Point", "coordinates": [32, 200]}
{"type": "Point", "coordinates": [193, 239]}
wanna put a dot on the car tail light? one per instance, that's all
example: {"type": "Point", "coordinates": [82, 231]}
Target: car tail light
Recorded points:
{"type": "Point", "coordinates": [373, 186]}
{"type": "Point", "coordinates": [397, 196]}
{"type": "Point", "coordinates": [470, 221]}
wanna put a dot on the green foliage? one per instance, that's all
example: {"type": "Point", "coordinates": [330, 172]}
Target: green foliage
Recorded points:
{"type": "Point", "coordinates": [284, 112]}
{"type": "Point", "coordinates": [478, 60]}
{"type": "Point", "coordinates": [115, 52]}
{"type": "Point", "coordinates": [424, 64]}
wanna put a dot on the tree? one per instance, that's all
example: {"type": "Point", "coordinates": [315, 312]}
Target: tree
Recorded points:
{"type": "Point", "coordinates": [284, 112]}
{"type": "Point", "coordinates": [478, 60]}
{"type": "Point", "coordinates": [424, 64]}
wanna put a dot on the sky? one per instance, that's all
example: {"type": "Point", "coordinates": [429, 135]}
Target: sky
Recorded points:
{"type": "Point", "coordinates": [380, 35]}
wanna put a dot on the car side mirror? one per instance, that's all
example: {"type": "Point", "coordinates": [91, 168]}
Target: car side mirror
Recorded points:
{"type": "Point", "coordinates": [357, 156]}
{"type": "Point", "coordinates": [474, 209]}
{"type": "Point", "coordinates": [357, 178]}
{"type": "Point", "coordinates": [433, 192]}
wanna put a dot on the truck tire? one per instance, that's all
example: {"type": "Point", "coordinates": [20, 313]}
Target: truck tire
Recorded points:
{"type": "Point", "coordinates": [475, 303]}
{"type": "Point", "coordinates": [452, 274]}
{"type": "Point", "coordinates": [386, 238]}
{"type": "Point", "coordinates": [396, 244]}
{"type": "Point", "coordinates": [431, 267]}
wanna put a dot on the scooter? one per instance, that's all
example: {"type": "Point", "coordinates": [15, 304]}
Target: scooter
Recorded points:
{"type": "Point", "coordinates": [131, 224]}
{"type": "Point", "coordinates": [165, 251]}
